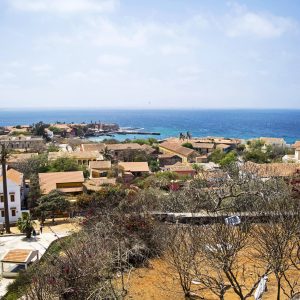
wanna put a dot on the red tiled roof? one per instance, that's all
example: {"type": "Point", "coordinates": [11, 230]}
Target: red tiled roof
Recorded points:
{"type": "Point", "coordinates": [48, 181]}
{"type": "Point", "coordinates": [174, 147]}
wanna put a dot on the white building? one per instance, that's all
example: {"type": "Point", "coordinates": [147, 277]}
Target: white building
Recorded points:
{"type": "Point", "coordinates": [294, 158]}
{"type": "Point", "coordinates": [15, 190]}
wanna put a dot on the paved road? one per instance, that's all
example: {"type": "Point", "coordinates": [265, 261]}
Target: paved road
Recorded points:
{"type": "Point", "coordinates": [40, 243]}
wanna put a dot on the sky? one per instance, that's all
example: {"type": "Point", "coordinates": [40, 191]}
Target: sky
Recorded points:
{"type": "Point", "coordinates": [150, 54]}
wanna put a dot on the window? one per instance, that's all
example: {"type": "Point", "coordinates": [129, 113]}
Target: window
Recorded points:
{"type": "Point", "coordinates": [12, 197]}
{"type": "Point", "coordinates": [2, 213]}
{"type": "Point", "coordinates": [13, 212]}
{"type": "Point", "coordinates": [1, 198]}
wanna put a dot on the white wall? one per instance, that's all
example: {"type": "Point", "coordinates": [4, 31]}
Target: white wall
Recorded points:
{"type": "Point", "coordinates": [16, 189]}
{"type": "Point", "coordinates": [297, 155]}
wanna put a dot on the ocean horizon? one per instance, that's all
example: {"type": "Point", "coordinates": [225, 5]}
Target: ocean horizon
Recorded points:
{"type": "Point", "coordinates": [239, 123]}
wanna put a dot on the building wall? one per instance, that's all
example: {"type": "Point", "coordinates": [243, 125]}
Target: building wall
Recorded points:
{"type": "Point", "coordinates": [12, 188]}
{"type": "Point", "coordinates": [68, 185]}
{"type": "Point", "coordinates": [297, 155]}
{"type": "Point", "coordinates": [167, 151]}
{"type": "Point", "coordinates": [169, 161]}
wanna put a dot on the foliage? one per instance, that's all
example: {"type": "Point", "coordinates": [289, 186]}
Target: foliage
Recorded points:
{"type": "Point", "coordinates": [39, 128]}
{"type": "Point", "coordinates": [17, 133]}
{"type": "Point", "coordinates": [53, 202]}
{"type": "Point", "coordinates": [154, 165]}
{"type": "Point", "coordinates": [222, 158]}
{"type": "Point", "coordinates": [53, 148]}
{"type": "Point", "coordinates": [217, 155]}
{"type": "Point", "coordinates": [148, 141]}
{"type": "Point", "coordinates": [25, 224]}
{"type": "Point", "coordinates": [33, 165]}
{"type": "Point", "coordinates": [258, 152]}
{"type": "Point", "coordinates": [34, 191]}
{"type": "Point", "coordinates": [107, 154]}
{"type": "Point", "coordinates": [63, 164]}
{"type": "Point", "coordinates": [55, 130]}
{"type": "Point", "coordinates": [229, 158]}
{"type": "Point", "coordinates": [257, 156]}
{"type": "Point", "coordinates": [188, 145]}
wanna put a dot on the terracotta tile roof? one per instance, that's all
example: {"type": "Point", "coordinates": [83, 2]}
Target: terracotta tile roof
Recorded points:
{"type": "Point", "coordinates": [14, 176]}
{"type": "Point", "coordinates": [93, 147]}
{"type": "Point", "coordinates": [48, 181]}
{"type": "Point", "coordinates": [222, 146]}
{"type": "Point", "coordinates": [167, 155]}
{"type": "Point", "coordinates": [296, 145]}
{"type": "Point", "coordinates": [135, 166]}
{"type": "Point", "coordinates": [174, 147]}
{"type": "Point", "coordinates": [100, 164]}
{"type": "Point", "coordinates": [120, 147]}
{"type": "Point", "coordinates": [203, 145]}
{"type": "Point", "coordinates": [273, 169]}
{"type": "Point", "coordinates": [147, 148]}
{"type": "Point", "coordinates": [19, 255]}
{"type": "Point", "coordinates": [77, 155]}
{"type": "Point", "coordinates": [86, 155]}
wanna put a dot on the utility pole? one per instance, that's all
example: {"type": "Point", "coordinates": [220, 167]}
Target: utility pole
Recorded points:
{"type": "Point", "coordinates": [4, 155]}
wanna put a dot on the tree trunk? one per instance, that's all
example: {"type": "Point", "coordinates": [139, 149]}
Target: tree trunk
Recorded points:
{"type": "Point", "coordinates": [6, 212]}
{"type": "Point", "coordinates": [278, 288]}
{"type": "Point", "coordinates": [28, 233]}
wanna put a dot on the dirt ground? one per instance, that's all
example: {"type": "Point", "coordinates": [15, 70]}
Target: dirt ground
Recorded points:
{"type": "Point", "coordinates": [156, 283]}
{"type": "Point", "coordinates": [60, 226]}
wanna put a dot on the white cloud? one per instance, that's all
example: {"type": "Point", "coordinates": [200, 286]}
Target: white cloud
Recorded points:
{"type": "Point", "coordinates": [45, 68]}
{"type": "Point", "coordinates": [64, 6]}
{"type": "Point", "coordinates": [112, 60]}
{"type": "Point", "coordinates": [15, 64]}
{"type": "Point", "coordinates": [7, 75]}
{"type": "Point", "coordinates": [173, 50]}
{"type": "Point", "coordinates": [257, 25]}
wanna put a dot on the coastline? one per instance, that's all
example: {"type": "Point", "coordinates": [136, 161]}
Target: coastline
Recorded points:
{"type": "Point", "coordinates": [238, 123]}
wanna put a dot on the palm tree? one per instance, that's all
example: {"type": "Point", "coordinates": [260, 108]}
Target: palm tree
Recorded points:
{"type": "Point", "coordinates": [107, 154]}
{"type": "Point", "coordinates": [25, 225]}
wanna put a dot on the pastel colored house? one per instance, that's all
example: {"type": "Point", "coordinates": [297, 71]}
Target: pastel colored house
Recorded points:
{"type": "Point", "coordinates": [186, 154]}
{"type": "Point", "coordinates": [67, 182]}
{"type": "Point", "coordinates": [183, 169]}
{"type": "Point", "coordinates": [99, 168]}
{"type": "Point", "coordinates": [133, 169]}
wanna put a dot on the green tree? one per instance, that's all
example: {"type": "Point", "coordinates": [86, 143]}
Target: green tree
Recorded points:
{"type": "Point", "coordinates": [228, 159]}
{"type": "Point", "coordinates": [154, 165]}
{"type": "Point", "coordinates": [53, 148]}
{"type": "Point", "coordinates": [25, 224]}
{"type": "Point", "coordinates": [256, 155]}
{"type": "Point", "coordinates": [53, 202]}
{"type": "Point", "coordinates": [39, 128]}
{"type": "Point", "coordinates": [107, 154]}
{"type": "Point", "coordinates": [55, 130]}
{"type": "Point", "coordinates": [188, 145]}
{"type": "Point", "coordinates": [64, 164]}
{"type": "Point", "coordinates": [216, 156]}
{"type": "Point", "coordinates": [34, 191]}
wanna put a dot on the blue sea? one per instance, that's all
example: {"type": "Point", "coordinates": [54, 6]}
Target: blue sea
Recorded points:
{"type": "Point", "coordinates": [246, 123]}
